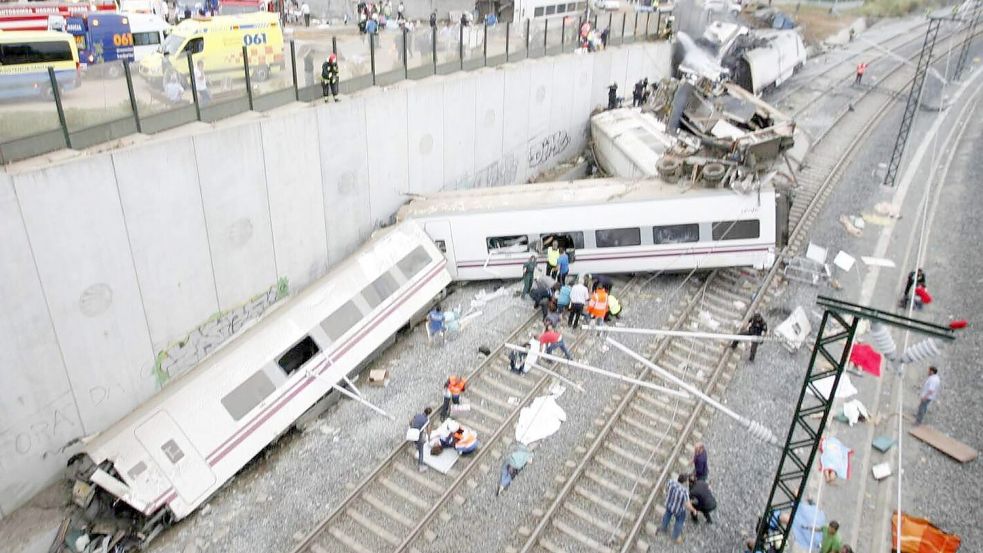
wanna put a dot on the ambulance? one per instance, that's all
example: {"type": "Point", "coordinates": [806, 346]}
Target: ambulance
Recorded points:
{"type": "Point", "coordinates": [218, 41]}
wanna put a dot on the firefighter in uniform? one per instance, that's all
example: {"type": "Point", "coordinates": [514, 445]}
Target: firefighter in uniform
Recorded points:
{"type": "Point", "coordinates": [329, 77]}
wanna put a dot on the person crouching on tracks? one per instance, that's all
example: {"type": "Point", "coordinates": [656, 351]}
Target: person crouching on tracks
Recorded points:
{"type": "Point", "coordinates": [677, 503]}
{"type": "Point", "coordinates": [597, 308]}
{"type": "Point", "coordinates": [701, 498]}
{"type": "Point", "coordinates": [614, 308]}
{"type": "Point", "coordinates": [329, 77]}
{"type": "Point", "coordinates": [453, 389]}
{"type": "Point", "coordinates": [755, 327]}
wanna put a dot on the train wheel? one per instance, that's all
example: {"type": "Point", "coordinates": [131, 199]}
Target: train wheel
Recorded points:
{"type": "Point", "coordinates": [713, 173]}
{"type": "Point", "coordinates": [668, 168]}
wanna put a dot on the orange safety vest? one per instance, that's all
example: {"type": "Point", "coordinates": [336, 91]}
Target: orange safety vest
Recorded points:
{"type": "Point", "coordinates": [455, 385]}
{"type": "Point", "coordinates": [464, 439]}
{"type": "Point", "coordinates": [598, 306]}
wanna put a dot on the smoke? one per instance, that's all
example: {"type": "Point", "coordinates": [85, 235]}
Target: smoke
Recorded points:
{"type": "Point", "coordinates": [688, 56]}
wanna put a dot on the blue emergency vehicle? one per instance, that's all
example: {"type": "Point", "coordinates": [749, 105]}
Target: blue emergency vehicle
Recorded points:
{"type": "Point", "coordinates": [102, 38]}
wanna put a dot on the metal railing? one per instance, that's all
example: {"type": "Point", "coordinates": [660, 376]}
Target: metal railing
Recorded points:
{"type": "Point", "coordinates": [108, 101]}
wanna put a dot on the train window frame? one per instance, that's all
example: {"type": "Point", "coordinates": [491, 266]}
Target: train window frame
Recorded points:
{"type": "Point", "coordinates": [380, 289]}
{"type": "Point", "coordinates": [415, 262]}
{"type": "Point", "coordinates": [551, 9]}
{"type": "Point", "coordinates": [522, 240]}
{"type": "Point", "coordinates": [172, 451]}
{"type": "Point", "coordinates": [572, 236]}
{"type": "Point", "coordinates": [686, 226]}
{"type": "Point", "coordinates": [636, 237]}
{"type": "Point", "coordinates": [538, 12]}
{"type": "Point", "coordinates": [346, 310]}
{"type": "Point", "coordinates": [736, 230]}
{"type": "Point", "coordinates": [248, 395]}
{"type": "Point", "coordinates": [291, 365]}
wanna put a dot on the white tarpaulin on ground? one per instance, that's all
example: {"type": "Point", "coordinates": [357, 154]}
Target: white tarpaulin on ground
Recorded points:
{"type": "Point", "coordinates": [845, 389]}
{"type": "Point", "coordinates": [541, 419]}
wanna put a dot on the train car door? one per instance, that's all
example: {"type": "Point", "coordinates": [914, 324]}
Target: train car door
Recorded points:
{"type": "Point", "coordinates": [440, 233]}
{"type": "Point", "coordinates": [176, 456]}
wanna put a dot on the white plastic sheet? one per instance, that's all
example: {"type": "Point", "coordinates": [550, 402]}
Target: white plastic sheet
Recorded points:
{"type": "Point", "coordinates": [541, 419]}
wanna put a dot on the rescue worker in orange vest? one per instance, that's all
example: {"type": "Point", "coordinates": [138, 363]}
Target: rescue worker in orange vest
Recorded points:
{"type": "Point", "coordinates": [597, 308]}
{"type": "Point", "coordinates": [465, 441]}
{"type": "Point", "coordinates": [861, 69]}
{"type": "Point", "coordinates": [453, 388]}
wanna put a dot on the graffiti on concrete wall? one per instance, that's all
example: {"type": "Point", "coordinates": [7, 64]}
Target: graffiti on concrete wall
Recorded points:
{"type": "Point", "coordinates": [547, 148]}
{"type": "Point", "coordinates": [502, 172]}
{"type": "Point", "coordinates": [34, 434]}
{"type": "Point", "coordinates": [187, 352]}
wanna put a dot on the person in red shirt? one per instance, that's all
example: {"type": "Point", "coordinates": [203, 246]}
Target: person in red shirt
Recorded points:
{"type": "Point", "coordinates": [551, 339]}
{"type": "Point", "coordinates": [861, 69]}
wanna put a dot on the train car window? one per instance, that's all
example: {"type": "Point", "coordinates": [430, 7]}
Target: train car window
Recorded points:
{"type": "Point", "coordinates": [538, 12]}
{"type": "Point", "coordinates": [618, 237]}
{"type": "Point", "coordinates": [248, 395]}
{"type": "Point", "coordinates": [561, 8]}
{"type": "Point", "coordinates": [550, 10]}
{"type": "Point", "coordinates": [172, 450]}
{"type": "Point", "coordinates": [441, 245]}
{"type": "Point", "coordinates": [737, 230]}
{"type": "Point", "coordinates": [380, 289]}
{"type": "Point", "coordinates": [339, 322]}
{"type": "Point", "coordinates": [300, 353]}
{"type": "Point", "coordinates": [566, 239]}
{"type": "Point", "coordinates": [507, 244]}
{"type": "Point", "coordinates": [676, 234]}
{"type": "Point", "coordinates": [414, 262]}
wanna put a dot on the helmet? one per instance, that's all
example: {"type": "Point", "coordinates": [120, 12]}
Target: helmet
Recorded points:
{"type": "Point", "coordinates": [332, 57]}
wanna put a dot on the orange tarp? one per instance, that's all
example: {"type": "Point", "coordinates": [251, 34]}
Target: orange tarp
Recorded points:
{"type": "Point", "coordinates": [918, 535]}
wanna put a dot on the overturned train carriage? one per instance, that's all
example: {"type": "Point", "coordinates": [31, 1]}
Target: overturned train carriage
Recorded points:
{"type": "Point", "coordinates": [168, 456]}
{"type": "Point", "coordinates": [612, 225]}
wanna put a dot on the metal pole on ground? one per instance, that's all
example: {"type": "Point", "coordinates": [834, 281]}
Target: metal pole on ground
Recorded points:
{"type": "Point", "coordinates": [648, 18]}
{"type": "Point", "coordinates": [56, 94]}
{"type": "Point", "coordinates": [508, 34]}
{"type": "Point", "coordinates": [249, 84]}
{"type": "Point", "coordinates": [460, 48]}
{"type": "Point", "coordinates": [194, 85]}
{"type": "Point", "coordinates": [546, 34]}
{"type": "Point", "coordinates": [563, 34]}
{"type": "Point", "coordinates": [681, 334]}
{"type": "Point", "coordinates": [527, 37]}
{"type": "Point", "coordinates": [293, 65]}
{"type": "Point", "coordinates": [406, 64]}
{"type": "Point", "coordinates": [624, 20]}
{"type": "Point", "coordinates": [484, 45]}
{"type": "Point", "coordinates": [372, 55]}
{"type": "Point", "coordinates": [433, 47]}
{"type": "Point", "coordinates": [133, 97]}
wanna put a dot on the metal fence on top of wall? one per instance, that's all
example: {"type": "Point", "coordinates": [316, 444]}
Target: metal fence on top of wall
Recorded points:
{"type": "Point", "coordinates": [115, 99]}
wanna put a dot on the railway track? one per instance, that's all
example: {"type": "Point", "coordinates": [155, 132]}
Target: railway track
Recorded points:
{"type": "Point", "coordinates": [395, 505]}
{"type": "Point", "coordinates": [608, 500]}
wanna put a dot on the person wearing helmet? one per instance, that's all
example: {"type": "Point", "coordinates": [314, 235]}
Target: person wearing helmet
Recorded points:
{"type": "Point", "coordinates": [329, 77]}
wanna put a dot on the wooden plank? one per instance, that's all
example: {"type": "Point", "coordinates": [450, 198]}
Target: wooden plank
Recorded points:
{"type": "Point", "coordinates": [950, 446]}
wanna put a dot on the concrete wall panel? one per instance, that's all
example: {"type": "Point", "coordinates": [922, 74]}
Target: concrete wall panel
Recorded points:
{"type": "Point", "coordinates": [541, 90]}
{"type": "Point", "coordinates": [460, 119]}
{"type": "Point", "coordinates": [237, 212]}
{"type": "Point", "coordinates": [293, 182]}
{"type": "Point", "coordinates": [385, 121]}
{"type": "Point", "coordinates": [619, 71]}
{"type": "Point", "coordinates": [37, 409]}
{"type": "Point", "coordinates": [515, 124]}
{"type": "Point", "coordinates": [161, 203]}
{"type": "Point", "coordinates": [491, 167]}
{"type": "Point", "coordinates": [602, 78]}
{"type": "Point", "coordinates": [426, 146]}
{"type": "Point", "coordinates": [580, 104]}
{"type": "Point", "coordinates": [344, 176]}
{"type": "Point", "coordinates": [78, 236]}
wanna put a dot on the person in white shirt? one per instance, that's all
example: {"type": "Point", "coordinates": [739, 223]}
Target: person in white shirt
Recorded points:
{"type": "Point", "coordinates": [930, 391]}
{"type": "Point", "coordinates": [173, 89]}
{"type": "Point", "coordinates": [305, 10]}
{"type": "Point", "coordinates": [201, 84]}
{"type": "Point", "coordinates": [579, 295]}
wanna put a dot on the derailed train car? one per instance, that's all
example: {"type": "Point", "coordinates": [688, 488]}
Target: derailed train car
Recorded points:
{"type": "Point", "coordinates": [164, 459]}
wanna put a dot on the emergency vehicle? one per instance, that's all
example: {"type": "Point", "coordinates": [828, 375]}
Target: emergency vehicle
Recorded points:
{"type": "Point", "coordinates": [218, 41]}
{"type": "Point", "coordinates": [102, 38]}
{"type": "Point", "coordinates": [25, 57]}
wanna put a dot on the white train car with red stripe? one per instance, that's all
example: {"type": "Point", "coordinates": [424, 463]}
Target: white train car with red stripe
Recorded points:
{"type": "Point", "coordinates": [168, 456]}
{"type": "Point", "coordinates": [613, 225]}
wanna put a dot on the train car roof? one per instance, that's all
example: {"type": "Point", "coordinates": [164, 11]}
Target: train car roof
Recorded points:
{"type": "Point", "coordinates": [521, 197]}
{"type": "Point", "coordinates": [295, 317]}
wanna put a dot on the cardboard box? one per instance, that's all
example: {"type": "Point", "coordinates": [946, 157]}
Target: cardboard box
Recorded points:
{"type": "Point", "coordinates": [379, 377]}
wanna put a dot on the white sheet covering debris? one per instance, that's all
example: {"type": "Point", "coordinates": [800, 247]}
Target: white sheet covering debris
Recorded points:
{"type": "Point", "coordinates": [541, 419]}
{"type": "Point", "coordinates": [853, 410]}
{"type": "Point", "coordinates": [844, 390]}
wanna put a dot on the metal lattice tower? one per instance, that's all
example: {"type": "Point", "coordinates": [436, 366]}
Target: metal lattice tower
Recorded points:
{"type": "Point", "coordinates": [833, 344]}
{"type": "Point", "coordinates": [971, 30]}
{"type": "Point", "coordinates": [914, 98]}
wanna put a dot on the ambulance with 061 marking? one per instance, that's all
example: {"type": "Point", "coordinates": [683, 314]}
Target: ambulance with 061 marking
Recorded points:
{"type": "Point", "coordinates": [218, 42]}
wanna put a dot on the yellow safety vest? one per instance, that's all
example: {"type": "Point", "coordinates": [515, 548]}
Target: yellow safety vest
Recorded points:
{"type": "Point", "coordinates": [552, 256]}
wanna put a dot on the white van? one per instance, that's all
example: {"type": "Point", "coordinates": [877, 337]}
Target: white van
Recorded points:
{"type": "Point", "coordinates": [149, 32]}
{"type": "Point", "coordinates": [156, 7]}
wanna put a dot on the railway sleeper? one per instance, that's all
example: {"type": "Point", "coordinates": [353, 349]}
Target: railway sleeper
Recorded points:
{"type": "Point", "coordinates": [600, 480]}
{"type": "Point", "coordinates": [655, 433]}
{"type": "Point", "coordinates": [491, 398]}
{"type": "Point", "coordinates": [598, 499]}
{"type": "Point", "coordinates": [503, 374]}
{"type": "Point", "coordinates": [412, 473]}
{"type": "Point", "coordinates": [595, 521]}
{"type": "Point", "coordinates": [479, 409]}
{"type": "Point", "coordinates": [667, 420]}
{"type": "Point", "coordinates": [644, 461]}
{"type": "Point", "coordinates": [372, 526]}
{"type": "Point", "coordinates": [663, 401]}
{"type": "Point", "coordinates": [348, 542]}
{"type": "Point", "coordinates": [403, 494]}
{"type": "Point", "coordinates": [504, 388]}
{"type": "Point", "coordinates": [616, 468]}
{"type": "Point", "coordinates": [685, 354]}
{"type": "Point", "coordinates": [582, 539]}
{"type": "Point", "coordinates": [386, 509]}
{"type": "Point", "coordinates": [632, 438]}
{"type": "Point", "coordinates": [470, 423]}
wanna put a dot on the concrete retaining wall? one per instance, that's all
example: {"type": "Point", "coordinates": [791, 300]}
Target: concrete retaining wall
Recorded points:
{"type": "Point", "coordinates": [120, 270]}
